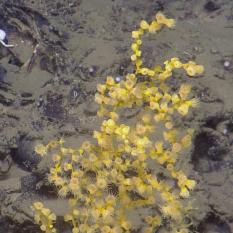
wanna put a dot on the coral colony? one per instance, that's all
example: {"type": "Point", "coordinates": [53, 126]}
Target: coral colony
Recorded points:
{"type": "Point", "coordinates": [116, 176]}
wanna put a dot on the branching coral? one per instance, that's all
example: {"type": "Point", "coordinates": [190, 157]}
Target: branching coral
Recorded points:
{"type": "Point", "coordinates": [111, 179]}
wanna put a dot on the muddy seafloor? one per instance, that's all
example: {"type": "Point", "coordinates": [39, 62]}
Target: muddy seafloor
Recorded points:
{"type": "Point", "coordinates": [48, 82]}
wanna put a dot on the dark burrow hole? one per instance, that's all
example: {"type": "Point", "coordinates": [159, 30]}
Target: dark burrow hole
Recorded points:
{"type": "Point", "coordinates": [213, 121]}
{"type": "Point", "coordinates": [48, 189]}
{"type": "Point", "coordinates": [214, 224]}
{"type": "Point", "coordinates": [229, 126]}
{"type": "Point", "coordinates": [209, 146]}
{"type": "Point", "coordinates": [7, 225]}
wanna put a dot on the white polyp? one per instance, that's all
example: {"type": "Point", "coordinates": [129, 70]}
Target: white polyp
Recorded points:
{"type": "Point", "coordinates": [2, 37]}
{"type": "Point", "coordinates": [6, 45]}
{"type": "Point", "coordinates": [118, 78]}
{"type": "Point", "coordinates": [2, 34]}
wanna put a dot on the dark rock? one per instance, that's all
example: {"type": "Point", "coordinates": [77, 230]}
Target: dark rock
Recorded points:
{"type": "Point", "coordinates": [26, 94]}
{"type": "Point", "coordinates": [214, 224]}
{"type": "Point", "coordinates": [24, 155]}
{"type": "Point", "coordinates": [53, 108]}
{"type": "Point", "coordinates": [5, 165]}
{"type": "Point", "coordinates": [2, 74]}
{"type": "Point", "coordinates": [3, 195]}
{"type": "Point", "coordinates": [15, 61]}
{"type": "Point", "coordinates": [211, 6]}
{"type": "Point", "coordinates": [210, 146]}
{"type": "Point", "coordinates": [28, 183]}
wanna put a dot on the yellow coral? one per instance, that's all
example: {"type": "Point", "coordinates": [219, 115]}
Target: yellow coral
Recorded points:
{"type": "Point", "coordinates": [116, 171]}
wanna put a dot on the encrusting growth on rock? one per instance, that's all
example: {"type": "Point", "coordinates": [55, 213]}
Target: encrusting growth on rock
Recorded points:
{"type": "Point", "coordinates": [107, 181]}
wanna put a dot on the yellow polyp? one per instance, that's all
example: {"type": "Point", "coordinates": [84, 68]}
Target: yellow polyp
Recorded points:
{"type": "Point", "coordinates": [137, 92]}
{"type": "Point", "coordinates": [144, 71]}
{"type": "Point", "coordinates": [154, 105]}
{"type": "Point", "coordinates": [135, 34]}
{"type": "Point", "coordinates": [153, 27]}
{"type": "Point", "coordinates": [126, 225]}
{"type": "Point", "coordinates": [164, 107]}
{"type": "Point", "coordinates": [159, 147]}
{"type": "Point", "coordinates": [131, 77]}
{"type": "Point", "coordinates": [43, 227]}
{"type": "Point", "coordinates": [169, 125]}
{"type": "Point", "coordinates": [175, 99]}
{"type": "Point", "coordinates": [133, 57]}
{"type": "Point", "coordinates": [159, 117]}
{"type": "Point", "coordinates": [67, 166]}
{"type": "Point", "coordinates": [134, 47]}
{"type": "Point", "coordinates": [52, 217]}
{"type": "Point", "coordinates": [151, 73]}
{"type": "Point", "coordinates": [170, 135]}
{"type": "Point", "coordinates": [184, 192]}
{"type": "Point", "coordinates": [184, 90]}
{"type": "Point", "coordinates": [138, 53]}
{"type": "Point", "coordinates": [190, 184]}
{"type": "Point", "coordinates": [158, 96]}
{"type": "Point", "coordinates": [110, 81]}
{"type": "Point", "coordinates": [168, 66]}
{"type": "Point", "coordinates": [114, 116]}
{"type": "Point", "coordinates": [170, 23]}
{"type": "Point", "coordinates": [138, 42]}
{"type": "Point", "coordinates": [183, 109]}
{"type": "Point", "coordinates": [86, 145]}
{"type": "Point", "coordinates": [138, 63]}
{"type": "Point", "coordinates": [98, 98]}
{"type": "Point", "coordinates": [146, 118]}
{"type": "Point", "coordinates": [193, 102]}
{"type": "Point", "coordinates": [199, 69]}
{"type": "Point", "coordinates": [38, 205]}
{"type": "Point", "coordinates": [101, 88]}
{"type": "Point", "coordinates": [161, 19]}
{"type": "Point", "coordinates": [41, 149]}
{"type": "Point", "coordinates": [186, 141]}
{"type": "Point", "coordinates": [160, 16]}
{"type": "Point", "coordinates": [75, 230]}
{"type": "Point", "coordinates": [176, 147]}
{"type": "Point", "coordinates": [144, 25]}
{"type": "Point", "coordinates": [140, 129]}
{"type": "Point", "coordinates": [191, 71]}
{"type": "Point", "coordinates": [129, 84]}
{"type": "Point", "coordinates": [105, 229]}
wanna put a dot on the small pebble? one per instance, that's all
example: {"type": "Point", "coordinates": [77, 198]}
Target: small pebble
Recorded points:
{"type": "Point", "coordinates": [196, 49]}
{"type": "Point", "coordinates": [91, 70]}
{"type": "Point", "coordinates": [214, 51]}
{"type": "Point", "coordinates": [118, 78]}
{"type": "Point", "coordinates": [225, 131]}
{"type": "Point", "coordinates": [226, 64]}
{"type": "Point", "coordinates": [40, 102]}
